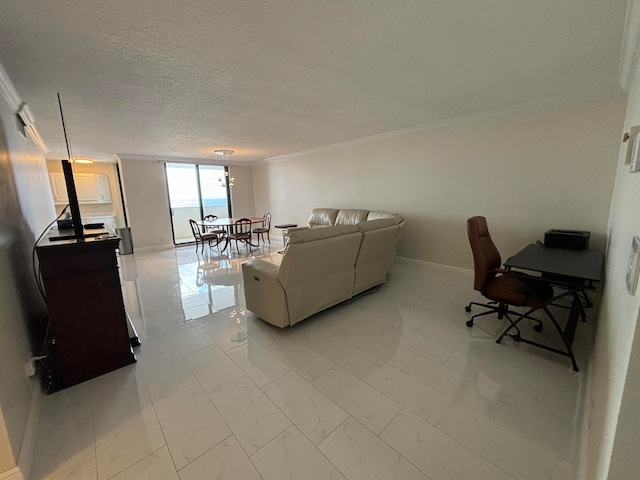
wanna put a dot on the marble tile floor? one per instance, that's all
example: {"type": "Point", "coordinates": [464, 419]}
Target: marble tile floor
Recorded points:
{"type": "Point", "coordinates": [390, 386]}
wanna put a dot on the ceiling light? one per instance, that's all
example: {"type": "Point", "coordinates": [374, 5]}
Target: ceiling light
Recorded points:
{"type": "Point", "coordinates": [82, 160]}
{"type": "Point", "coordinates": [223, 153]}
{"type": "Point", "coordinates": [231, 180]}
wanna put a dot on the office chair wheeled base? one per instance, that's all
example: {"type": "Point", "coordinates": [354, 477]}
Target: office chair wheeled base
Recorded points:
{"type": "Point", "coordinates": [502, 311]}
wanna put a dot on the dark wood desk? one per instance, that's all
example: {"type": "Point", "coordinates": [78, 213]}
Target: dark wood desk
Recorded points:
{"type": "Point", "coordinates": [87, 318]}
{"type": "Point", "coordinates": [566, 268]}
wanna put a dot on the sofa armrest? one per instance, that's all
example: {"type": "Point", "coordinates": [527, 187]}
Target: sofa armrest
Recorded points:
{"type": "Point", "coordinates": [263, 292]}
{"type": "Point", "coordinates": [287, 231]}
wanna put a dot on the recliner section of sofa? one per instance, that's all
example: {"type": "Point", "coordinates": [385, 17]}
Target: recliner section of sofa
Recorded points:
{"type": "Point", "coordinates": [376, 254]}
{"type": "Point", "coordinates": [323, 265]}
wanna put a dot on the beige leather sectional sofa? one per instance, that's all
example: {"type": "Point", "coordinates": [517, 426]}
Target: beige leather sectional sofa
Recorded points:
{"type": "Point", "coordinates": [341, 253]}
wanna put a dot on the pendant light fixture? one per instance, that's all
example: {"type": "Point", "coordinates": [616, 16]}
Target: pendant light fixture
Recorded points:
{"type": "Point", "coordinates": [232, 180]}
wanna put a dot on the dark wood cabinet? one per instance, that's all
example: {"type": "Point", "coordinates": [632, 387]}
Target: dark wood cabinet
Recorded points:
{"type": "Point", "coordinates": [88, 322]}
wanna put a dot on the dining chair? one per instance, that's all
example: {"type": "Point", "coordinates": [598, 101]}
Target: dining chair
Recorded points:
{"type": "Point", "coordinates": [200, 237]}
{"type": "Point", "coordinates": [265, 228]}
{"type": "Point", "coordinates": [210, 218]}
{"type": "Point", "coordinates": [221, 232]}
{"type": "Point", "coordinates": [241, 232]}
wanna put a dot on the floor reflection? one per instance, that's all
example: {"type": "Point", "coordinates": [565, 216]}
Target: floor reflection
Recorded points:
{"type": "Point", "coordinates": [391, 382]}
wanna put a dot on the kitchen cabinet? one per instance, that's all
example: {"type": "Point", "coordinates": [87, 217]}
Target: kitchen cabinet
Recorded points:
{"type": "Point", "coordinates": [59, 188]}
{"type": "Point", "coordinates": [86, 188]}
{"type": "Point", "coordinates": [108, 220]}
{"type": "Point", "coordinates": [104, 192]}
{"type": "Point", "coordinates": [90, 188]}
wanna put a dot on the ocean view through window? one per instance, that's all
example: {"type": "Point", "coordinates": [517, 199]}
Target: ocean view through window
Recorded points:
{"type": "Point", "coordinates": [195, 191]}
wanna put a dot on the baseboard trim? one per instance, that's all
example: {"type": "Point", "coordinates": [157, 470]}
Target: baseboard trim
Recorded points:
{"type": "Point", "coordinates": [154, 248]}
{"type": "Point", "coordinates": [431, 265]}
{"type": "Point", "coordinates": [27, 449]}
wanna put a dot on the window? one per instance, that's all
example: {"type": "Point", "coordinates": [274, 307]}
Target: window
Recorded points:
{"type": "Point", "coordinates": [195, 191]}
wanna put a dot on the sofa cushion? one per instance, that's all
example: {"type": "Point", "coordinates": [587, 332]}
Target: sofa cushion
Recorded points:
{"type": "Point", "coordinates": [375, 224]}
{"type": "Point", "coordinates": [322, 217]}
{"type": "Point", "coordinates": [351, 216]}
{"type": "Point", "coordinates": [311, 234]}
{"type": "Point", "coordinates": [373, 215]}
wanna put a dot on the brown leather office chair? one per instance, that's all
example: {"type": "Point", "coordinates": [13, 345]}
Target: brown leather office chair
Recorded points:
{"type": "Point", "coordinates": [265, 228]}
{"type": "Point", "coordinates": [502, 288]}
{"type": "Point", "coordinates": [508, 288]}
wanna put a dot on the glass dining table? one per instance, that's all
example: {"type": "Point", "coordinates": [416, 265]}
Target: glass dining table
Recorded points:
{"type": "Point", "coordinates": [228, 224]}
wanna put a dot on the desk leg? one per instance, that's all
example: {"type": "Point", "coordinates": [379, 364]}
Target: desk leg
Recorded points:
{"type": "Point", "coordinates": [572, 321]}
{"type": "Point", "coordinates": [566, 335]}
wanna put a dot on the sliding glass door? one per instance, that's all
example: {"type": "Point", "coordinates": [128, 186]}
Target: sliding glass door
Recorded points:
{"type": "Point", "coordinates": [195, 191]}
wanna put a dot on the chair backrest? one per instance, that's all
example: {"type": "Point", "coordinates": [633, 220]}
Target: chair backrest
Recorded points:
{"type": "Point", "coordinates": [195, 229]}
{"type": "Point", "coordinates": [486, 257]}
{"type": "Point", "coordinates": [242, 225]}
{"type": "Point", "coordinates": [266, 220]}
{"type": "Point", "coordinates": [210, 218]}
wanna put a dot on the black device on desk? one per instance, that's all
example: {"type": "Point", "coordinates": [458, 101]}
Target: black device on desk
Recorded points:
{"type": "Point", "coordinates": [65, 224]}
{"type": "Point", "coordinates": [570, 239]}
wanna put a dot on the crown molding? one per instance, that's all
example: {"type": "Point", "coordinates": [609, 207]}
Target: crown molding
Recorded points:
{"type": "Point", "coordinates": [10, 94]}
{"type": "Point", "coordinates": [8, 91]}
{"type": "Point", "coordinates": [168, 159]}
{"type": "Point", "coordinates": [630, 45]}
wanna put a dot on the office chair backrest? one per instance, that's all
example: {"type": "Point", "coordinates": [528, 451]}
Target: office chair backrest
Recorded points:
{"type": "Point", "coordinates": [486, 257]}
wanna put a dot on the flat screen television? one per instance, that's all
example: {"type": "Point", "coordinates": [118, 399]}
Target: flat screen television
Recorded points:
{"type": "Point", "coordinates": [74, 206]}
{"type": "Point", "coordinates": [77, 232]}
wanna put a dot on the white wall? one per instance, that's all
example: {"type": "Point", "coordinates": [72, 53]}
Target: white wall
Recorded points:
{"type": "Point", "coordinates": [242, 197]}
{"type": "Point", "coordinates": [26, 208]}
{"type": "Point", "coordinates": [615, 368]}
{"type": "Point", "coordinates": [526, 170]}
{"type": "Point", "coordinates": [147, 202]}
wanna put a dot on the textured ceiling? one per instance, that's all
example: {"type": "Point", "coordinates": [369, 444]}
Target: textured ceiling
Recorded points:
{"type": "Point", "coordinates": [182, 78]}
